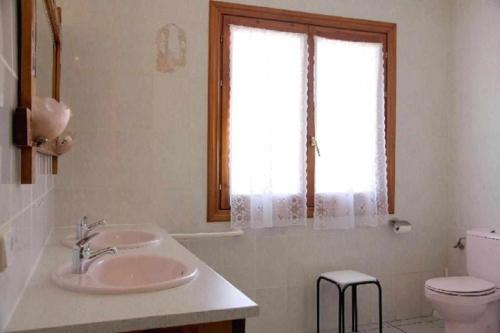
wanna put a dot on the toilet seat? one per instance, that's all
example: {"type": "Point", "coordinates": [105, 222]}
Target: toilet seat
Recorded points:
{"type": "Point", "coordinates": [465, 286]}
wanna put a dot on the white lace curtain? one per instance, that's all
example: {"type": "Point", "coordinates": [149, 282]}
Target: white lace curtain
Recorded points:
{"type": "Point", "coordinates": [267, 127]}
{"type": "Point", "coordinates": [350, 174]}
{"type": "Point", "coordinates": [268, 130]}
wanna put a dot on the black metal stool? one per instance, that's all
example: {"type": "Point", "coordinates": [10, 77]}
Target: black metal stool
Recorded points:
{"type": "Point", "coordinates": [343, 280]}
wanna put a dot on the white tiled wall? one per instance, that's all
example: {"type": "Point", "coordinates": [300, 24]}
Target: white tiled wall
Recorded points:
{"type": "Point", "coordinates": [27, 209]}
{"type": "Point", "coordinates": [141, 153]}
{"type": "Point", "coordinates": [279, 270]}
{"type": "Point", "coordinates": [475, 161]}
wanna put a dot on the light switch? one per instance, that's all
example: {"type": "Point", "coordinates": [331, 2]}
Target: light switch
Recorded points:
{"type": "Point", "coordinates": [6, 246]}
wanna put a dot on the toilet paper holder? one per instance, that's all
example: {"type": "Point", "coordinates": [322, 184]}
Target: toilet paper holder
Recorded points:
{"type": "Point", "coordinates": [398, 224]}
{"type": "Point", "coordinates": [460, 244]}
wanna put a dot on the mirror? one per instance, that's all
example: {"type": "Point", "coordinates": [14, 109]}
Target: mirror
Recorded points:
{"type": "Point", "coordinates": [44, 49]}
{"type": "Point", "coordinates": [39, 76]}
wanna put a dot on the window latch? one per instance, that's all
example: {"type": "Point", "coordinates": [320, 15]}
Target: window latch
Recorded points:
{"type": "Point", "coordinates": [314, 143]}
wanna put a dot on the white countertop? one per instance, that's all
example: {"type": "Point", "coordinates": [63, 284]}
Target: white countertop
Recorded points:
{"type": "Point", "coordinates": [47, 308]}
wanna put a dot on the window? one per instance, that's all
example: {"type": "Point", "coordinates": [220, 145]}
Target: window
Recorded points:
{"type": "Point", "coordinates": [330, 63]}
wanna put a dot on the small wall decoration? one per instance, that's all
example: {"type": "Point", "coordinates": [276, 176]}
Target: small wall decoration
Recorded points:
{"type": "Point", "coordinates": [170, 48]}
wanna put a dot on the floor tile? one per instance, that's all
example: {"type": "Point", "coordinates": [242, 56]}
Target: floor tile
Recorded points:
{"type": "Point", "coordinates": [422, 328]}
{"type": "Point", "coordinates": [386, 330]}
{"type": "Point", "coordinates": [373, 328]}
{"type": "Point", "coordinates": [414, 325]}
{"type": "Point", "coordinates": [410, 321]}
{"type": "Point", "coordinates": [426, 325]}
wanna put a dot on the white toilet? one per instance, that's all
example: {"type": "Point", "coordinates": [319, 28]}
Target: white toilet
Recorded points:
{"type": "Point", "coordinates": [469, 304]}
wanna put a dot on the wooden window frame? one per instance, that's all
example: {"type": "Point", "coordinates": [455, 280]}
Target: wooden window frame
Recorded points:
{"type": "Point", "coordinates": [221, 15]}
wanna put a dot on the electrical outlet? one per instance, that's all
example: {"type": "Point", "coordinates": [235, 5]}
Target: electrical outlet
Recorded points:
{"type": "Point", "coordinates": [6, 246]}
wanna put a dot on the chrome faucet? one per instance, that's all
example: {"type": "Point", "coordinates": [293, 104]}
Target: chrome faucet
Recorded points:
{"type": "Point", "coordinates": [83, 256]}
{"type": "Point", "coordinates": [83, 227]}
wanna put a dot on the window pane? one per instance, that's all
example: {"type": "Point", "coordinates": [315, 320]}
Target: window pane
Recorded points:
{"type": "Point", "coordinates": [267, 111]}
{"type": "Point", "coordinates": [348, 90]}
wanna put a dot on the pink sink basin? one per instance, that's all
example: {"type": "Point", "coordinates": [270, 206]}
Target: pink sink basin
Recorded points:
{"type": "Point", "coordinates": [128, 273]}
{"type": "Point", "coordinates": [121, 239]}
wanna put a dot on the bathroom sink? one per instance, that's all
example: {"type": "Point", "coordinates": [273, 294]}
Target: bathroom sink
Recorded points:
{"type": "Point", "coordinates": [121, 239]}
{"type": "Point", "coordinates": [127, 273]}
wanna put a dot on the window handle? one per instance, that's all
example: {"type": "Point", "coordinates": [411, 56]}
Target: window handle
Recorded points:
{"type": "Point", "coordinates": [314, 143]}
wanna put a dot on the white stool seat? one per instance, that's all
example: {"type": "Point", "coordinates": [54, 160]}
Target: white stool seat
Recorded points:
{"type": "Point", "coordinates": [343, 278]}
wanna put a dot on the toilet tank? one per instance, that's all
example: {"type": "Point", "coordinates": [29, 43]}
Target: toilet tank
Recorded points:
{"type": "Point", "coordinates": [483, 254]}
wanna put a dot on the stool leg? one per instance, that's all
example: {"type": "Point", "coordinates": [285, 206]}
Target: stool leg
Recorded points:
{"type": "Point", "coordinates": [354, 308]}
{"type": "Point", "coordinates": [379, 306]}
{"type": "Point", "coordinates": [341, 311]}
{"type": "Point", "coordinates": [317, 305]}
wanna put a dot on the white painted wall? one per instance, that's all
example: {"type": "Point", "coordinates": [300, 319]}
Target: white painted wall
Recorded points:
{"type": "Point", "coordinates": [475, 156]}
{"type": "Point", "coordinates": [140, 155]}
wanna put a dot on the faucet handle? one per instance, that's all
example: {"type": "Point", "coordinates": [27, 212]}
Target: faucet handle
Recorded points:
{"type": "Point", "coordinates": [84, 242]}
{"type": "Point", "coordinates": [83, 227]}
{"type": "Point", "coordinates": [92, 226]}
{"type": "Point", "coordinates": [95, 224]}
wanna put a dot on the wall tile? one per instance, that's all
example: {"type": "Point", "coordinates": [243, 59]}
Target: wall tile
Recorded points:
{"type": "Point", "coordinates": [298, 268]}
{"type": "Point", "coordinates": [132, 102]}
{"type": "Point", "coordinates": [240, 261]}
{"type": "Point", "coordinates": [301, 309]}
{"type": "Point", "coordinates": [8, 31]}
{"type": "Point", "coordinates": [13, 279]}
{"type": "Point", "coordinates": [5, 187]}
{"type": "Point", "coordinates": [130, 205]}
{"type": "Point", "coordinates": [130, 171]}
{"type": "Point", "coordinates": [390, 299]}
{"type": "Point", "coordinates": [271, 261]}
{"type": "Point", "coordinates": [95, 157]}
{"type": "Point", "coordinates": [408, 287]}
{"type": "Point", "coordinates": [177, 209]}
{"type": "Point", "coordinates": [30, 228]}
{"type": "Point", "coordinates": [272, 317]}
{"type": "Point", "coordinates": [211, 251]}
{"type": "Point", "coordinates": [95, 203]}
{"type": "Point", "coordinates": [176, 160]}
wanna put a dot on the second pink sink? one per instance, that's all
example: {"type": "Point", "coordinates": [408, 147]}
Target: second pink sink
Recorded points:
{"type": "Point", "coordinates": [121, 239]}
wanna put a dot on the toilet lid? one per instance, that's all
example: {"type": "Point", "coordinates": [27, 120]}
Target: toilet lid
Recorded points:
{"type": "Point", "coordinates": [461, 286]}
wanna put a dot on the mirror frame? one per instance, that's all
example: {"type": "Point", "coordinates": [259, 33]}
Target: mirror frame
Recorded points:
{"type": "Point", "coordinates": [27, 84]}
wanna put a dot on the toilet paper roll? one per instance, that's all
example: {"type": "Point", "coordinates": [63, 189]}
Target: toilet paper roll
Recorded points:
{"type": "Point", "coordinates": [401, 227]}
